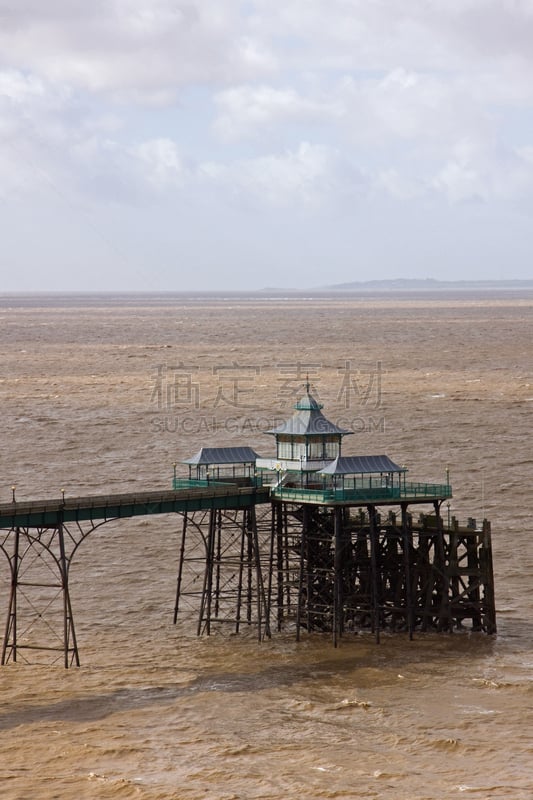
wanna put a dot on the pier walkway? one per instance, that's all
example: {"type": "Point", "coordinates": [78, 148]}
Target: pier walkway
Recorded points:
{"type": "Point", "coordinates": [52, 512]}
{"type": "Point", "coordinates": [40, 538]}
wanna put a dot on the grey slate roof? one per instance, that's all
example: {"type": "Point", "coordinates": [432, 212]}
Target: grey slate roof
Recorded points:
{"type": "Point", "coordinates": [308, 421]}
{"type": "Point", "coordinates": [357, 465]}
{"type": "Point", "coordinates": [223, 455]}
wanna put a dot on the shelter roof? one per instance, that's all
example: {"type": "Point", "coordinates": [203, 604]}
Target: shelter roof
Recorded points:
{"type": "Point", "coordinates": [357, 465]}
{"type": "Point", "coordinates": [308, 421]}
{"type": "Point", "coordinates": [223, 455]}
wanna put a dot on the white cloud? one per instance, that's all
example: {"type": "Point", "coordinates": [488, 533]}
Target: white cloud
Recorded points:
{"type": "Point", "coordinates": [308, 178]}
{"type": "Point", "coordinates": [256, 110]}
{"type": "Point", "coordinates": [482, 171]}
{"type": "Point", "coordinates": [405, 105]}
{"type": "Point", "coordinates": [161, 162]}
{"type": "Point", "coordinates": [373, 34]}
{"type": "Point", "coordinates": [139, 49]}
{"type": "Point", "coordinates": [399, 185]}
{"type": "Point", "coordinates": [18, 88]}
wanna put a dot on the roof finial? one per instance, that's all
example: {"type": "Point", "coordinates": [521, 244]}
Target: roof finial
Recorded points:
{"type": "Point", "coordinates": [307, 384]}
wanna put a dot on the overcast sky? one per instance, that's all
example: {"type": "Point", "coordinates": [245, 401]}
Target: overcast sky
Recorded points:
{"type": "Point", "coordinates": [211, 144]}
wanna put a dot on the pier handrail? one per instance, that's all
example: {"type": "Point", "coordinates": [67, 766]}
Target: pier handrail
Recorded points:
{"type": "Point", "coordinates": [407, 491]}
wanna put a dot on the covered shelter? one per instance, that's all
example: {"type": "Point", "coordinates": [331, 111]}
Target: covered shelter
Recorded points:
{"type": "Point", "coordinates": [366, 474]}
{"type": "Point", "coordinates": [222, 464]}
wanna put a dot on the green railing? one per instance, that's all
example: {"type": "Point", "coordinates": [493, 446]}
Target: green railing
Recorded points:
{"type": "Point", "coordinates": [193, 483]}
{"type": "Point", "coordinates": [427, 490]}
{"type": "Point", "coordinates": [367, 493]}
{"type": "Point", "coordinates": [360, 494]}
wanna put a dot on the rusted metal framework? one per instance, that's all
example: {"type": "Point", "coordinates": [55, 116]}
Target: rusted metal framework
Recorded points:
{"type": "Point", "coordinates": [41, 538]}
{"type": "Point", "coordinates": [40, 615]}
{"type": "Point", "coordinates": [223, 569]}
{"type": "Point", "coordinates": [337, 568]}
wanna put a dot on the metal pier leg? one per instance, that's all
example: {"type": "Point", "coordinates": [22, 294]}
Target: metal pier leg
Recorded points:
{"type": "Point", "coordinates": [260, 586]}
{"type": "Point", "coordinates": [281, 574]}
{"type": "Point", "coordinates": [445, 617]}
{"type": "Point", "coordinates": [374, 543]}
{"type": "Point", "coordinates": [205, 605]}
{"type": "Point", "coordinates": [338, 599]}
{"type": "Point", "coordinates": [486, 560]}
{"type": "Point", "coordinates": [69, 633]}
{"type": "Point", "coordinates": [239, 583]}
{"type": "Point", "coordinates": [303, 552]}
{"type": "Point", "coordinates": [180, 566]}
{"type": "Point", "coordinates": [10, 635]}
{"type": "Point", "coordinates": [270, 565]}
{"type": "Point", "coordinates": [407, 546]}
{"type": "Point", "coordinates": [218, 557]}
{"type": "Point", "coordinates": [249, 570]}
{"type": "Point", "coordinates": [474, 580]}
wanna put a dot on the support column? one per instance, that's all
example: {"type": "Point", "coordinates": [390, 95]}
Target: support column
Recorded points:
{"type": "Point", "coordinates": [407, 537]}
{"type": "Point", "coordinates": [70, 645]}
{"type": "Point", "coordinates": [374, 546]}
{"type": "Point", "coordinates": [9, 647]}
{"type": "Point", "coordinates": [485, 557]}
{"type": "Point", "coordinates": [444, 621]}
{"type": "Point", "coordinates": [304, 588]}
{"type": "Point", "coordinates": [338, 576]}
{"type": "Point", "coordinates": [205, 604]}
{"type": "Point", "coordinates": [180, 566]}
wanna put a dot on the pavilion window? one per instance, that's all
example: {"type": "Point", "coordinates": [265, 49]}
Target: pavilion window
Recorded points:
{"type": "Point", "coordinates": [284, 449]}
{"type": "Point", "coordinates": [315, 450]}
{"type": "Point", "coordinates": [298, 450]}
{"type": "Point", "coordinates": [331, 448]}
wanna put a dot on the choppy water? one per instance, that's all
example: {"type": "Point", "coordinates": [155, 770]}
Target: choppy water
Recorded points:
{"type": "Point", "coordinates": [155, 712]}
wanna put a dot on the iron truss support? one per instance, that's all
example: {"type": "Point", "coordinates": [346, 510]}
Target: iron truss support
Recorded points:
{"type": "Point", "coordinates": [224, 570]}
{"type": "Point", "coordinates": [40, 611]}
{"type": "Point", "coordinates": [40, 615]}
{"type": "Point", "coordinates": [335, 569]}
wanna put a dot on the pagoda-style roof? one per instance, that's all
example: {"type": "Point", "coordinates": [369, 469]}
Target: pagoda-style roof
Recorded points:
{"type": "Point", "coordinates": [361, 465]}
{"type": "Point", "coordinates": [308, 420]}
{"type": "Point", "coordinates": [223, 455]}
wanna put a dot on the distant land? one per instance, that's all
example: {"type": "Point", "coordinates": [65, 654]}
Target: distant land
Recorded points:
{"type": "Point", "coordinates": [406, 288]}
{"type": "Point", "coordinates": [426, 284]}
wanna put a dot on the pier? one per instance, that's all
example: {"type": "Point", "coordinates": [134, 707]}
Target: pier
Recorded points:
{"type": "Point", "coordinates": [307, 541]}
{"type": "Point", "coordinates": [40, 539]}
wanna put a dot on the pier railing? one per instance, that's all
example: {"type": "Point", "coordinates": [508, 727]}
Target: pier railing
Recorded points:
{"type": "Point", "coordinates": [194, 483]}
{"type": "Point", "coordinates": [371, 494]}
{"type": "Point", "coordinates": [364, 492]}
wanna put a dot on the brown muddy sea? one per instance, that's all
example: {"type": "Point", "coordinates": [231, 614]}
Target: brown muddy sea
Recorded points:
{"type": "Point", "coordinates": [103, 394]}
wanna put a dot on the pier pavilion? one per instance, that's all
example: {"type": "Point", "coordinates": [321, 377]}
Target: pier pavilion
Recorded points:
{"type": "Point", "coordinates": [309, 540]}
{"type": "Point", "coordinates": [339, 546]}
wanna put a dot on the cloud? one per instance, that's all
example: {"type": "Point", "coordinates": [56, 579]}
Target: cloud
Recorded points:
{"type": "Point", "coordinates": [406, 105]}
{"type": "Point", "coordinates": [309, 177]}
{"type": "Point", "coordinates": [305, 179]}
{"type": "Point", "coordinates": [140, 50]}
{"type": "Point", "coordinates": [162, 163]}
{"type": "Point", "coordinates": [415, 34]}
{"type": "Point", "coordinates": [245, 111]}
{"type": "Point", "coordinates": [483, 172]}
